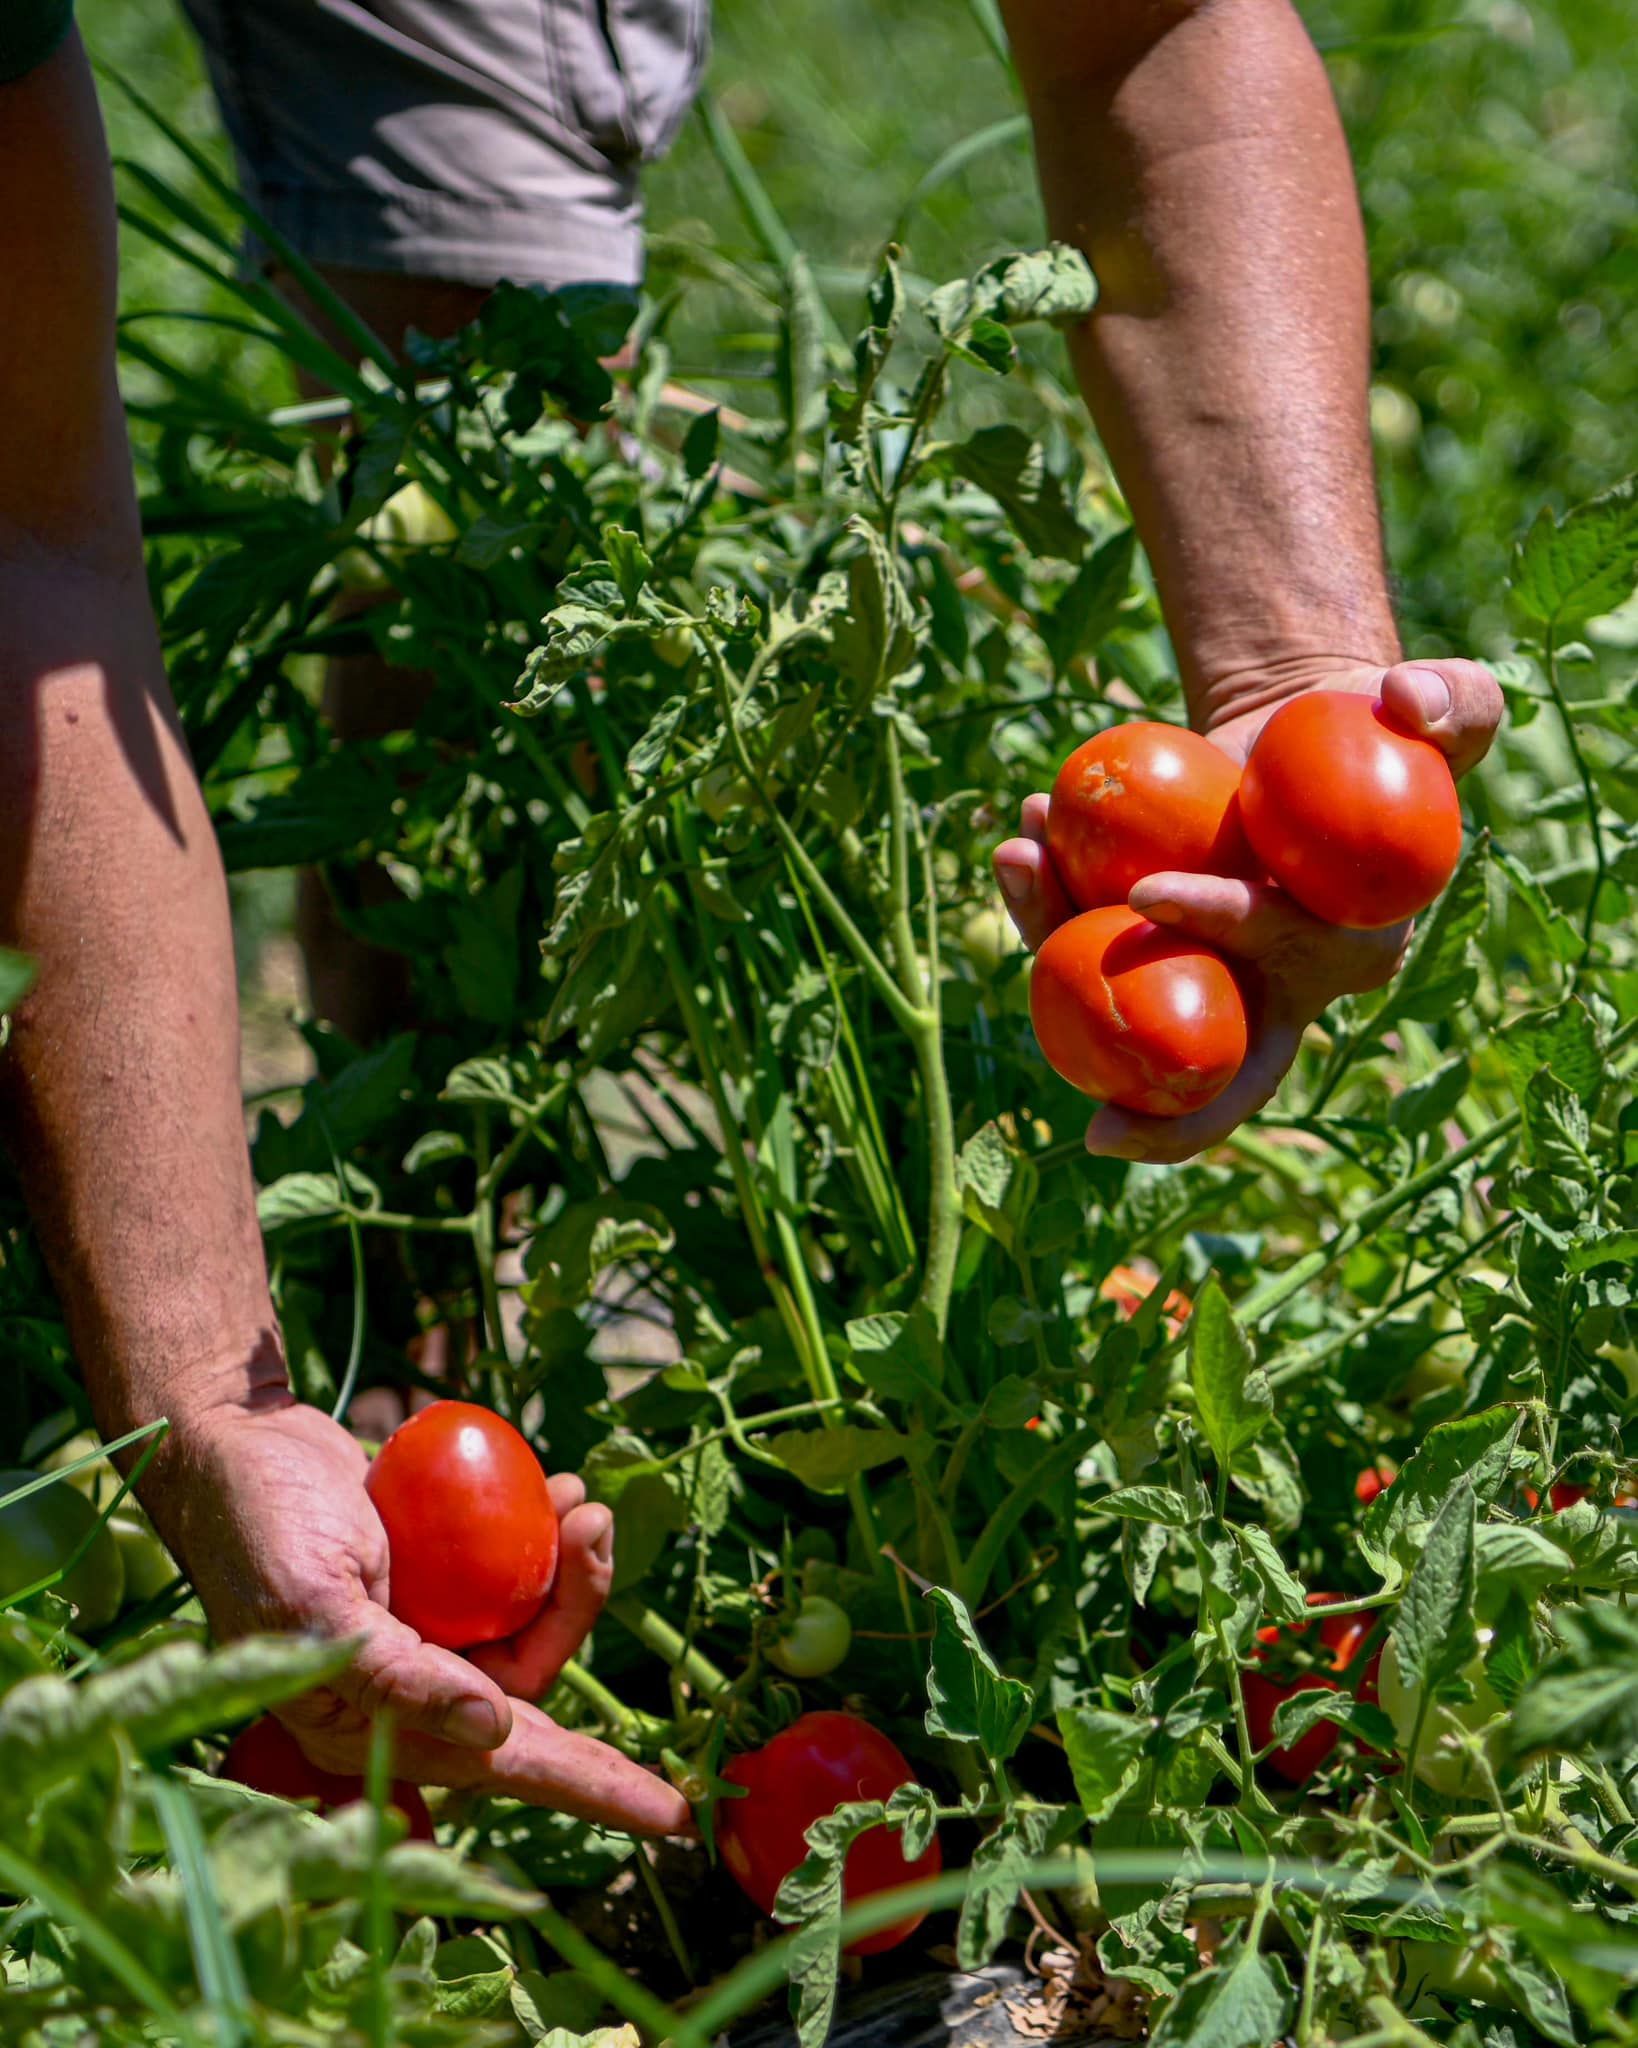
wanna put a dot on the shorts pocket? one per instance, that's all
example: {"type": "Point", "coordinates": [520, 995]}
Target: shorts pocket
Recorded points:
{"type": "Point", "coordinates": [629, 69]}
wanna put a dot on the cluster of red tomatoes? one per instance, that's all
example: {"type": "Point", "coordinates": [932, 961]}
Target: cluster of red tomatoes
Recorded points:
{"type": "Point", "coordinates": [1351, 814]}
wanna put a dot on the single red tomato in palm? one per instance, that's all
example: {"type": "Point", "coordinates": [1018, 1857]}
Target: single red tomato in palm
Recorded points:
{"type": "Point", "coordinates": [1136, 1015]}
{"type": "Point", "coordinates": [1341, 1637]}
{"type": "Point", "coordinates": [470, 1524]}
{"type": "Point", "coordinates": [267, 1757]}
{"type": "Point", "coordinates": [819, 1763]}
{"type": "Point", "coordinates": [1140, 799]}
{"type": "Point", "coordinates": [1352, 813]}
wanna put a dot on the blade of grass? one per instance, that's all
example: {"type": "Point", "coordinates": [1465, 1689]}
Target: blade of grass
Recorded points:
{"type": "Point", "coordinates": [221, 1976]}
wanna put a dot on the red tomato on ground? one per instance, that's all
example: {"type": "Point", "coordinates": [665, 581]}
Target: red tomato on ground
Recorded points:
{"type": "Point", "coordinates": [1350, 811]}
{"type": "Point", "coordinates": [1342, 1635]}
{"type": "Point", "coordinates": [1373, 1480]}
{"type": "Point", "coordinates": [1129, 1287]}
{"type": "Point", "coordinates": [819, 1763]}
{"type": "Point", "coordinates": [470, 1523]}
{"type": "Point", "coordinates": [1136, 1015]}
{"type": "Point", "coordinates": [267, 1757]}
{"type": "Point", "coordinates": [1142, 799]}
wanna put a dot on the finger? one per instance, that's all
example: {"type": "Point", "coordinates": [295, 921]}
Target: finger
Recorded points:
{"type": "Point", "coordinates": [426, 1691]}
{"type": "Point", "coordinates": [567, 1491]}
{"type": "Point", "coordinates": [1257, 922]}
{"type": "Point", "coordinates": [1036, 899]}
{"type": "Point", "coordinates": [527, 1666]}
{"type": "Point", "coordinates": [1169, 1140]}
{"type": "Point", "coordinates": [552, 1766]}
{"type": "Point", "coordinates": [1456, 704]}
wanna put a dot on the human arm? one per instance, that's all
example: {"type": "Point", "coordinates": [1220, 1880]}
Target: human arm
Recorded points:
{"type": "Point", "coordinates": [1193, 150]}
{"type": "Point", "coordinates": [119, 1087]}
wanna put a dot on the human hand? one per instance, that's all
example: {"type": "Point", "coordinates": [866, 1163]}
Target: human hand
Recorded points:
{"type": "Point", "coordinates": [266, 1508]}
{"type": "Point", "coordinates": [1301, 964]}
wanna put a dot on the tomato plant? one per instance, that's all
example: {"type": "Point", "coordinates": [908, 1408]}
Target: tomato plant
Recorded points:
{"type": "Point", "coordinates": [809, 1769]}
{"type": "Point", "coordinates": [267, 1757]}
{"type": "Point", "coordinates": [470, 1523]}
{"type": "Point", "coordinates": [1139, 799]}
{"type": "Point", "coordinates": [1136, 1015]}
{"type": "Point", "coordinates": [1350, 811]}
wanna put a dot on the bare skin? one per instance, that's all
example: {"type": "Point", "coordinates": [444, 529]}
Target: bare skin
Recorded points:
{"type": "Point", "coordinates": [120, 1093]}
{"type": "Point", "coordinates": [1195, 153]}
{"type": "Point", "coordinates": [1193, 150]}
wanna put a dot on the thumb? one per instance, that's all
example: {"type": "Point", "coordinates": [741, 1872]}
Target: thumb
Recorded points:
{"type": "Point", "coordinates": [1456, 704]}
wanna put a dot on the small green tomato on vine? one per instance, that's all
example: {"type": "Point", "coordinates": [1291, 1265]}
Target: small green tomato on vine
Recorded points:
{"type": "Point", "coordinates": [815, 1641]}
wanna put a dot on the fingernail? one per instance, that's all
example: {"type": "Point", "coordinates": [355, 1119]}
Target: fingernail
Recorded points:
{"type": "Point", "coordinates": [473, 1724]}
{"type": "Point", "coordinates": [1163, 913]}
{"type": "Point", "coordinates": [603, 1548]}
{"type": "Point", "coordinates": [1434, 693]}
{"type": "Point", "coordinates": [1016, 883]}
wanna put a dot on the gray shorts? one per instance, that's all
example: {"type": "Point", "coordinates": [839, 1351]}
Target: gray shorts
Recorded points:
{"type": "Point", "coordinates": [467, 140]}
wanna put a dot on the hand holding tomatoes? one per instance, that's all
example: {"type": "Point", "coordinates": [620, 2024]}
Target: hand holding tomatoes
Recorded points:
{"type": "Point", "coordinates": [819, 1763]}
{"type": "Point", "coordinates": [266, 1506]}
{"type": "Point", "coordinates": [1298, 963]}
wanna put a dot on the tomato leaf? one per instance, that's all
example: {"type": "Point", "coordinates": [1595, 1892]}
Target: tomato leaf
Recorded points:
{"type": "Point", "coordinates": [826, 1459]}
{"type": "Point", "coordinates": [1477, 1448]}
{"type": "Point", "coordinates": [1579, 566]}
{"type": "Point", "coordinates": [1106, 1754]}
{"type": "Point", "coordinates": [1434, 1629]}
{"type": "Point", "coordinates": [1585, 1697]}
{"type": "Point", "coordinates": [968, 1698]}
{"type": "Point", "coordinates": [1232, 1397]}
{"type": "Point", "coordinates": [1246, 2005]}
{"type": "Point", "coordinates": [996, 1875]}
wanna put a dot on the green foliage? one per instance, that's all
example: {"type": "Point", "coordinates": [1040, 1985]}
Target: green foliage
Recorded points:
{"type": "Point", "coordinates": [746, 1178]}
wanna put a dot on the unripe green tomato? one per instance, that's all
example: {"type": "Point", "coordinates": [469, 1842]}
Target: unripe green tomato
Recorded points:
{"type": "Point", "coordinates": [676, 645]}
{"type": "Point", "coordinates": [412, 518]}
{"type": "Point", "coordinates": [1448, 1970]}
{"type": "Point", "coordinates": [722, 789]}
{"type": "Point", "coordinates": [40, 1534]}
{"type": "Point", "coordinates": [988, 938]}
{"type": "Point", "coordinates": [1441, 1763]}
{"type": "Point", "coordinates": [1438, 1370]}
{"type": "Point", "coordinates": [815, 1642]}
{"type": "Point", "coordinates": [99, 1483]}
{"type": "Point", "coordinates": [149, 1566]}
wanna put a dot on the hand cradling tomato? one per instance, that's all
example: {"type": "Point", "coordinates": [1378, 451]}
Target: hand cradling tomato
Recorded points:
{"type": "Point", "coordinates": [470, 1525]}
{"type": "Point", "coordinates": [267, 1757]}
{"type": "Point", "coordinates": [1350, 812]}
{"type": "Point", "coordinates": [819, 1763]}
{"type": "Point", "coordinates": [1341, 1638]}
{"type": "Point", "coordinates": [1136, 1015]}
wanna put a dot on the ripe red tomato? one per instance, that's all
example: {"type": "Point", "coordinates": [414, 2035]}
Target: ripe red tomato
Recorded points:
{"type": "Point", "coordinates": [1340, 1634]}
{"type": "Point", "coordinates": [1351, 812]}
{"type": "Point", "coordinates": [1563, 1494]}
{"type": "Point", "coordinates": [819, 1763]}
{"type": "Point", "coordinates": [1140, 799]}
{"type": "Point", "coordinates": [1136, 1015]}
{"type": "Point", "coordinates": [267, 1757]}
{"type": "Point", "coordinates": [470, 1522]}
{"type": "Point", "coordinates": [1129, 1287]}
{"type": "Point", "coordinates": [1373, 1480]}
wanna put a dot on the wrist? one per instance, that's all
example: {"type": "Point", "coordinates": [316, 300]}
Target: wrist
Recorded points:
{"type": "Point", "coordinates": [1234, 706]}
{"type": "Point", "coordinates": [235, 1381]}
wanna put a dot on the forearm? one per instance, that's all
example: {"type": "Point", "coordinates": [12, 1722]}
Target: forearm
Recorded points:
{"type": "Point", "coordinates": [1201, 165]}
{"type": "Point", "coordinates": [119, 1092]}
